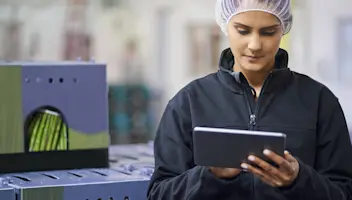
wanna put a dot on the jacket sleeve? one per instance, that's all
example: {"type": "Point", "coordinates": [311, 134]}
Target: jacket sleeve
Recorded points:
{"type": "Point", "coordinates": [331, 176]}
{"type": "Point", "coordinates": [175, 176]}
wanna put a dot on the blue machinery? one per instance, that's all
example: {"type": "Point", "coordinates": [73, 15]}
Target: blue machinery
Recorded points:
{"type": "Point", "coordinates": [7, 192]}
{"type": "Point", "coordinates": [54, 140]}
{"type": "Point", "coordinates": [126, 179]}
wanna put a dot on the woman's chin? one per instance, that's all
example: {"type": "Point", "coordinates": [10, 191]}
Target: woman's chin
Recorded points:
{"type": "Point", "coordinates": [250, 67]}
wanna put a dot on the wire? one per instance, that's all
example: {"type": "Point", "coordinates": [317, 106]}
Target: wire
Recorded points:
{"type": "Point", "coordinates": [47, 132]}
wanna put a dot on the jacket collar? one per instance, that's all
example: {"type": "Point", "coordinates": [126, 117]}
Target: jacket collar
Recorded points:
{"type": "Point", "coordinates": [279, 77]}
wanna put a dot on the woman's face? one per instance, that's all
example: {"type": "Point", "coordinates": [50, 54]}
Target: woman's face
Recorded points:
{"type": "Point", "coordinates": [254, 40]}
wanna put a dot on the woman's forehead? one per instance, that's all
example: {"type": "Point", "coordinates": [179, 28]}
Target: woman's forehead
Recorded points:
{"type": "Point", "coordinates": [255, 19]}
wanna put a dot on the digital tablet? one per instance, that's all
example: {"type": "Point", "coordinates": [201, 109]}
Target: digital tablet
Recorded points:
{"type": "Point", "coordinates": [228, 148]}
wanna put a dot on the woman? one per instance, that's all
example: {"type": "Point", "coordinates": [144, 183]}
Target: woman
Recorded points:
{"type": "Point", "coordinates": [255, 90]}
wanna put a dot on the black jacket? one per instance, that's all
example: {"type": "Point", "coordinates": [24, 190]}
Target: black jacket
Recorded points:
{"type": "Point", "coordinates": [292, 103]}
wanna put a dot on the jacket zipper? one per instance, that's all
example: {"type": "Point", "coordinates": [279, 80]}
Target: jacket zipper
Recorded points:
{"type": "Point", "coordinates": [252, 120]}
{"type": "Point", "coordinates": [253, 115]}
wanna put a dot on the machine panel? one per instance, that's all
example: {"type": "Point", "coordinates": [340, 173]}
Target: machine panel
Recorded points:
{"type": "Point", "coordinates": [78, 184]}
{"type": "Point", "coordinates": [7, 192]}
{"type": "Point", "coordinates": [54, 116]}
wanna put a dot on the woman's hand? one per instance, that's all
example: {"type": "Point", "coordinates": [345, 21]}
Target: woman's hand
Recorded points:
{"type": "Point", "coordinates": [282, 176]}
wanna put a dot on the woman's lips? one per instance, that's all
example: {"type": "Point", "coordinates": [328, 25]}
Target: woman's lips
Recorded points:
{"type": "Point", "coordinates": [253, 58]}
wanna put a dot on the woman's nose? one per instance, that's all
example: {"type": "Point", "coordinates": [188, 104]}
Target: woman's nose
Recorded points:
{"type": "Point", "coordinates": [254, 43]}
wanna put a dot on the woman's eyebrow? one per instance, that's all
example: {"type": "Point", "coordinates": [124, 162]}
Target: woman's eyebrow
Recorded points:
{"type": "Point", "coordinates": [239, 24]}
{"type": "Point", "coordinates": [267, 27]}
{"type": "Point", "coordinates": [271, 27]}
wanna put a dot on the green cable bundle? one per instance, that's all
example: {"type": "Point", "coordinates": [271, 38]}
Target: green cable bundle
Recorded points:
{"type": "Point", "coordinates": [47, 132]}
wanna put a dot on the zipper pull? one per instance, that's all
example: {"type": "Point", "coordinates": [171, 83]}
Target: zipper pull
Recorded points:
{"type": "Point", "coordinates": [252, 120]}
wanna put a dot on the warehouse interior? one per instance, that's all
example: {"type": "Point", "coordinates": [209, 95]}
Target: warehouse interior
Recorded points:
{"type": "Point", "coordinates": [152, 49]}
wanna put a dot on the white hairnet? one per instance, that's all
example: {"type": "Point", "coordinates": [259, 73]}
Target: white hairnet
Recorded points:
{"type": "Point", "coordinates": [226, 9]}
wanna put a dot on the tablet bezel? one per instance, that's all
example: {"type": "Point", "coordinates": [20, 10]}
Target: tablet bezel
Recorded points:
{"type": "Point", "coordinates": [205, 157]}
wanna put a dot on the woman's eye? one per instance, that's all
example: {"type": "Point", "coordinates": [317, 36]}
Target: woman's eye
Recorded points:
{"type": "Point", "coordinates": [242, 32]}
{"type": "Point", "coordinates": [268, 33]}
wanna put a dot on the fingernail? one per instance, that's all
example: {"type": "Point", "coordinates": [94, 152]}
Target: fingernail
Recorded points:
{"type": "Point", "coordinates": [286, 152]}
{"type": "Point", "coordinates": [244, 166]}
{"type": "Point", "coordinates": [266, 152]}
{"type": "Point", "coordinates": [251, 158]}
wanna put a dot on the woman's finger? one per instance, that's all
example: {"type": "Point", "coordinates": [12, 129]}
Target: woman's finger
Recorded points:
{"type": "Point", "coordinates": [284, 164]}
{"type": "Point", "coordinates": [264, 176]}
{"type": "Point", "coordinates": [268, 168]}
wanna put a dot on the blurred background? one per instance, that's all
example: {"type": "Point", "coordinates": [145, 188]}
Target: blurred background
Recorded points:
{"type": "Point", "coordinates": [153, 48]}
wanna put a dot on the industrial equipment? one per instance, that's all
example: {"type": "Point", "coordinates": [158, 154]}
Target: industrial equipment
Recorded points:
{"type": "Point", "coordinates": [6, 192]}
{"type": "Point", "coordinates": [126, 179]}
{"type": "Point", "coordinates": [54, 137]}
{"type": "Point", "coordinates": [91, 184]}
{"type": "Point", "coordinates": [53, 116]}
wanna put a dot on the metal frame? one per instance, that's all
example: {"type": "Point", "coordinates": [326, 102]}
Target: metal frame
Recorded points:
{"type": "Point", "coordinates": [7, 192]}
{"type": "Point", "coordinates": [126, 179]}
{"type": "Point", "coordinates": [78, 184]}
